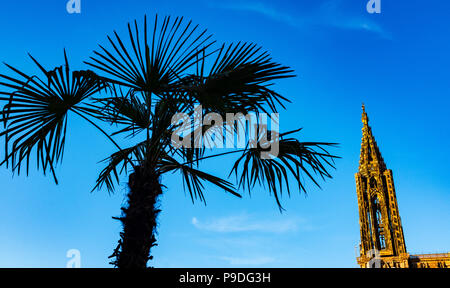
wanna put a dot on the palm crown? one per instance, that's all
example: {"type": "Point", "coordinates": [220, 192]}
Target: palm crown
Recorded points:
{"type": "Point", "coordinates": [140, 84]}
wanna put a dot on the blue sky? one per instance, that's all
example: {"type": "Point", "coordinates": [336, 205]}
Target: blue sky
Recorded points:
{"type": "Point", "coordinates": [396, 62]}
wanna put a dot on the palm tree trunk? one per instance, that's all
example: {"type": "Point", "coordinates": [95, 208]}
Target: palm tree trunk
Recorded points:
{"type": "Point", "coordinates": [138, 220]}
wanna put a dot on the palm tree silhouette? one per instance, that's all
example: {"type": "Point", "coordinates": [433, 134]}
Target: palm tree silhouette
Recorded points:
{"type": "Point", "coordinates": [140, 84]}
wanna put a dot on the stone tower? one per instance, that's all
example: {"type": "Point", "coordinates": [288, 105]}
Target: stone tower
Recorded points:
{"type": "Point", "coordinates": [382, 240]}
{"type": "Point", "coordinates": [379, 219]}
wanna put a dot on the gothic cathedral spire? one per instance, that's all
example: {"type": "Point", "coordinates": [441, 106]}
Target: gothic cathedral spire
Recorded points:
{"type": "Point", "coordinates": [379, 219]}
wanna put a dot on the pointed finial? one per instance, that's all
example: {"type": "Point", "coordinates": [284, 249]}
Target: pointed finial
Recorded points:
{"type": "Point", "coordinates": [365, 119]}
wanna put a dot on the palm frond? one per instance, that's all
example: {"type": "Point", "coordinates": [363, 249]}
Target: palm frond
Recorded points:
{"type": "Point", "coordinates": [238, 81]}
{"type": "Point", "coordinates": [193, 178]}
{"type": "Point", "coordinates": [294, 159]}
{"type": "Point", "coordinates": [35, 112]}
{"type": "Point", "coordinates": [124, 109]}
{"type": "Point", "coordinates": [118, 163]}
{"type": "Point", "coordinates": [151, 64]}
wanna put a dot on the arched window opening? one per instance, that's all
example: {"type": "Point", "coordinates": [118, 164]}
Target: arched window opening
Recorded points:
{"type": "Point", "coordinates": [369, 218]}
{"type": "Point", "coordinates": [379, 224]}
{"type": "Point", "coordinates": [382, 242]}
{"type": "Point", "coordinates": [379, 218]}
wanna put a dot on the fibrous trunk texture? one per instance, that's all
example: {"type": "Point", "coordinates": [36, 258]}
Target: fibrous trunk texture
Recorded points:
{"type": "Point", "coordinates": [138, 220]}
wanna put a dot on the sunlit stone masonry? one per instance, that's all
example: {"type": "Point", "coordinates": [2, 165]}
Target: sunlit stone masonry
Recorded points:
{"type": "Point", "coordinates": [382, 240]}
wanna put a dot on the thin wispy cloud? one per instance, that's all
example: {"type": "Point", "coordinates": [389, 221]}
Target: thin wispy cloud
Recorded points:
{"type": "Point", "coordinates": [331, 13]}
{"type": "Point", "coordinates": [327, 14]}
{"type": "Point", "coordinates": [251, 239]}
{"type": "Point", "coordinates": [245, 223]}
{"type": "Point", "coordinates": [260, 8]}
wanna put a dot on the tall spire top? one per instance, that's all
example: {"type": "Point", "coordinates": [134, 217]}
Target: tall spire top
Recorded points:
{"type": "Point", "coordinates": [370, 154]}
{"type": "Point", "coordinates": [365, 119]}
